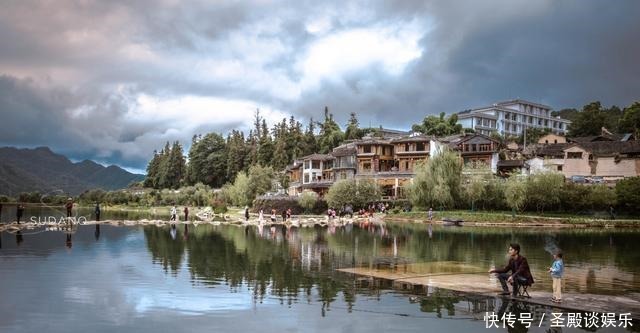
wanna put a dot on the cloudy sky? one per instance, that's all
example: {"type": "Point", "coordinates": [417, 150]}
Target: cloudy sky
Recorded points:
{"type": "Point", "coordinates": [114, 80]}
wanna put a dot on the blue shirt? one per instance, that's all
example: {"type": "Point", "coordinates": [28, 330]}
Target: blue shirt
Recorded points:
{"type": "Point", "coordinates": [557, 268]}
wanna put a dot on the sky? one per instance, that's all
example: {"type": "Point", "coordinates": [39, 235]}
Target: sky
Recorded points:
{"type": "Point", "coordinates": [112, 81]}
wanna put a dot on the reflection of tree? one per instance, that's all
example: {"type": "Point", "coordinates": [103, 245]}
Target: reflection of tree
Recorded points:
{"type": "Point", "coordinates": [166, 251]}
{"type": "Point", "coordinates": [439, 300]}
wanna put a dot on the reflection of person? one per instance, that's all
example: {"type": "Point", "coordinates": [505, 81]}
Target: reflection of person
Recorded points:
{"type": "Point", "coordinates": [68, 242]}
{"type": "Point", "coordinates": [186, 232]}
{"type": "Point", "coordinates": [557, 270]}
{"type": "Point", "coordinates": [519, 268]}
{"type": "Point", "coordinates": [18, 237]}
{"type": "Point", "coordinates": [97, 211]}
{"type": "Point", "coordinates": [97, 232]}
{"type": "Point", "coordinates": [173, 231]}
{"type": "Point", "coordinates": [19, 212]}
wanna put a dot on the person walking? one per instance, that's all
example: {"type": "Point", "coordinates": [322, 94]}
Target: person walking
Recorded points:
{"type": "Point", "coordinates": [246, 213]}
{"type": "Point", "coordinates": [186, 213]}
{"type": "Point", "coordinates": [174, 213]}
{"type": "Point", "coordinates": [430, 214]}
{"type": "Point", "coordinates": [557, 271]}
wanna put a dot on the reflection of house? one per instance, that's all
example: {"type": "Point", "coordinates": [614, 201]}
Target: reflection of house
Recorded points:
{"type": "Point", "coordinates": [511, 118]}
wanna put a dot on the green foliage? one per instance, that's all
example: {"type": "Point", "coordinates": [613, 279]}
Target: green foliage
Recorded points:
{"type": "Point", "coordinates": [330, 134]}
{"type": "Point", "coordinates": [475, 182]}
{"type": "Point", "coordinates": [628, 194]}
{"type": "Point", "coordinates": [437, 182]}
{"type": "Point", "coordinates": [4, 198]}
{"type": "Point", "coordinates": [92, 196]}
{"type": "Point", "coordinates": [533, 135]}
{"type": "Point", "coordinates": [601, 197]}
{"type": "Point", "coordinates": [630, 121]}
{"type": "Point", "coordinates": [167, 168]}
{"type": "Point", "coordinates": [353, 131]}
{"type": "Point", "coordinates": [439, 126]}
{"type": "Point", "coordinates": [308, 200]}
{"type": "Point", "coordinates": [248, 186]}
{"type": "Point", "coordinates": [544, 190]}
{"type": "Point", "coordinates": [356, 193]}
{"type": "Point", "coordinates": [515, 193]}
{"type": "Point", "coordinates": [31, 197]}
{"type": "Point", "coordinates": [593, 118]}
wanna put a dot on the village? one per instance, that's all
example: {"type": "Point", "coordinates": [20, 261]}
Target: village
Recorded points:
{"type": "Point", "coordinates": [389, 157]}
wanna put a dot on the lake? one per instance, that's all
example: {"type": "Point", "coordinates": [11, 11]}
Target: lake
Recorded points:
{"type": "Point", "coordinates": [104, 278]}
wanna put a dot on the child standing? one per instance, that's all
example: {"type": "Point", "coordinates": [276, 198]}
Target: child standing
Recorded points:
{"type": "Point", "coordinates": [557, 270]}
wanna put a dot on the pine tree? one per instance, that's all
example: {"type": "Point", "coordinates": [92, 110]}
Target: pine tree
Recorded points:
{"type": "Point", "coordinates": [330, 133]}
{"type": "Point", "coordinates": [353, 131]}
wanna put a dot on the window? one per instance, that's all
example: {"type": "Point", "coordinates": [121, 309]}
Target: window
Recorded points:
{"type": "Point", "coordinates": [366, 166]}
{"type": "Point", "coordinates": [307, 164]}
{"type": "Point", "coordinates": [366, 149]}
{"type": "Point", "coordinates": [406, 165]}
{"type": "Point", "coordinates": [406, 147]}
{"type": "Point", "coordinates": [513, 117]}
{"type": "Point", "coordinates": [420, 146]}
{"type": "Point", "coordinates": [555, 141]}
{"type": "Point", "coordinates": [559, 167]}
{"type": "Point", "coordinates": [574, 155]}
{"type": "Point", "coordinates": [315, 165]}
{"type": "Point", "coordinates": [306, 177]}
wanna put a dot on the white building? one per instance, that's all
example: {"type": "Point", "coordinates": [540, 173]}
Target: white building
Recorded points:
{"type": "Point", "coordinates": [511, 118]}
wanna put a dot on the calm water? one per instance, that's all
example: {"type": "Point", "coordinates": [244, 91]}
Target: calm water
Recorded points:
{"type": "Point", "coordinates": [151, 279]}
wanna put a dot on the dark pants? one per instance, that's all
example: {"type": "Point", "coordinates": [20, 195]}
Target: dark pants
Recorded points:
{"type": "Point", "coordinates": [517, 281]}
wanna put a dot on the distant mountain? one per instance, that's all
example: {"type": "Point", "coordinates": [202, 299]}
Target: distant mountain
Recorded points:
{"type": "Point", "coordinates": [40, 169]}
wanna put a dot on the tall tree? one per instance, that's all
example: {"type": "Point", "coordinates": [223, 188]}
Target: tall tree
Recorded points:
{"type": "Point", "coordinates": [589, 121]}
{"type": "Point", "coordinates": [236, 153]}
{"type": "Point", "coordinates": [310, 141]}
{"type": "Point", "coordinates": [353, 131]}
{"type": "Point", "coordinates": [630, 121]}
{"type": "Point", "coordinates": [265, 147]}
{"type": "Point", "coordinates": [330, 133]}
{"type": "Point", "coordinates": [208, 161]}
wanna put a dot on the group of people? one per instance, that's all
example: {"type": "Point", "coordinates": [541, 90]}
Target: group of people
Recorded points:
{"type": "Point", "coordinates": [174, 213]}
{"type": "Point", "coordinates": [285, 214]}
{"type": "Point", "coordinates": [517, 273]}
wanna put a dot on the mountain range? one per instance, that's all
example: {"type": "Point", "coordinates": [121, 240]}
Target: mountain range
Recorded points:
{"type": "Point", "coordinates": [40, 169]}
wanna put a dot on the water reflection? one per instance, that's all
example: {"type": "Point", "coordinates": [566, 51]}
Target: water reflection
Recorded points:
{"type": "Point", "coordinates": [257, 266]}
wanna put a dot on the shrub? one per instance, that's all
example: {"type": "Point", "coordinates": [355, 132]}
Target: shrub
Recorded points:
{"type": "Point", "coordinates": [628, 194]}
{"type": "Point", "coordinates": [308, 200]}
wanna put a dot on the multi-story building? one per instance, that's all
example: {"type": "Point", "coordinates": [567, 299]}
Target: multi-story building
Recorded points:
{"type": "Point", "coordinates": [512, 118]}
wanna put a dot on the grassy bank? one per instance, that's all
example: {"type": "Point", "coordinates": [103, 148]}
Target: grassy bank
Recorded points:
{"type": "Point", "coordinates": [508, 218]}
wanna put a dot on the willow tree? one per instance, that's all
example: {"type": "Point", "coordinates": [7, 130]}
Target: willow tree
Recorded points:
{"type": "Point", "coordinates": [437, 182]}
{"type": "Point", "coordinates": [515, 193]}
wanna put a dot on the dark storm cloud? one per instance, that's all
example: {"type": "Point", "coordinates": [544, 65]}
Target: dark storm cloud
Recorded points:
{"type": "Point", "coordinates": [80, 67]}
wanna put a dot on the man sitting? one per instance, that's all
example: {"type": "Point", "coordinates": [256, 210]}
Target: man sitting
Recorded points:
{"type": "Point", "coordinates": [519, 268]}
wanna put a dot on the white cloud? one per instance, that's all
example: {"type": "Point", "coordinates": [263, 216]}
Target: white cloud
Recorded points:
{"type": "Point", "coordinates": [356, 49]}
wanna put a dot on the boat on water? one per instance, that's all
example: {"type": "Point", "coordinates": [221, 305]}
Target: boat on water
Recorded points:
{"type": "Point", "coordinates": [449, 221]}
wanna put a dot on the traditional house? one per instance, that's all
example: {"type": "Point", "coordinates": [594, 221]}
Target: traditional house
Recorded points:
{"type": "Point", "coordinates": [612, 160]}
{"type": "Point", "coordinates": [344, 165]}
{"type": "Point", "coordinates": [545, 157]}
{"type": "Point", "coordinates": [478, 149]}
{"type": "Point", "coordinates": [294, 173]}
{"type": "Point", "coordinates": [552, 138]}
{"type": "Point", "coordinates": [410, 150]}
